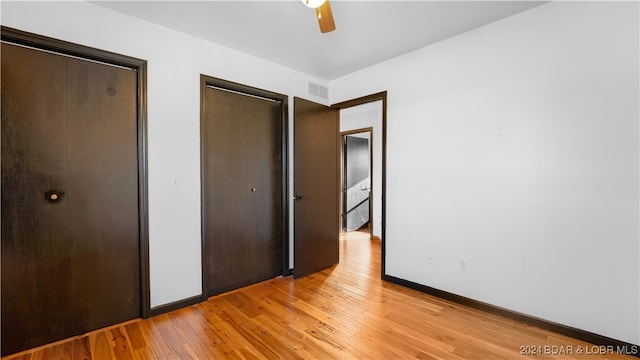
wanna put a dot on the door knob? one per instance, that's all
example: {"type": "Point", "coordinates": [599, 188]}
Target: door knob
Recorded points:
{"type": "Point", "coordinates": [253, 189]}
{"type": "Point", "coordinates": [53, 196]}
{"type": "Point", "coordinates": [297, 197]}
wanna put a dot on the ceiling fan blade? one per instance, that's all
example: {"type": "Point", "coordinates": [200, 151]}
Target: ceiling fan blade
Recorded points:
{"type": "Point", "coordinates": [325, 18]}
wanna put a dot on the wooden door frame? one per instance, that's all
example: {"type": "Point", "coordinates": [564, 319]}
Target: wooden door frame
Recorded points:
{"type": "Point", "coordinates": [43, 43]}
{"type": "Point", "coordinates": [231, 86]}
{"type": "Point", "coordinates": [343, 174]}
{"type": "Point", "coordinates": [382, 96]}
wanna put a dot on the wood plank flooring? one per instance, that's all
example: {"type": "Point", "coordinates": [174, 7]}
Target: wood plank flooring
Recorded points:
{"type": "Point", "coordinates": [345, 312]}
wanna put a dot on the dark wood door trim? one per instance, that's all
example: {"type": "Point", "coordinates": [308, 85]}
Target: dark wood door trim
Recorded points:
{"type": "Point", "coordinates": [209, 81]}
{"type": "Point", "coordinates": [40, 42]}
{"type": "Point", "coordinates": [360, 101]}
{"type": "Point", "coordinates": [343, 174]}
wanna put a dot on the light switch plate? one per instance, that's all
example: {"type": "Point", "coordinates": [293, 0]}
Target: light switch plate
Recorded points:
{"type": "Point", "coordinates": [175, 183]}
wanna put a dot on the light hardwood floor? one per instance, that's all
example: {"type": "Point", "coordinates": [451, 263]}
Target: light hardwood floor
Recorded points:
{"type": "Point", "coordinates": [345, 312]}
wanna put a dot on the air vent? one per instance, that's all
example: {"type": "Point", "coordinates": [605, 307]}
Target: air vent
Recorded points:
{"type": "Point", "coordinates": [318, 91]}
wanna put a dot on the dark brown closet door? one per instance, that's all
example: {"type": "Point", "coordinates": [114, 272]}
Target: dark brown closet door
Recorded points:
{"type": "Point", "coordinates": [70, 265]}
{"type": "Point", "coordinates": [242, 190]}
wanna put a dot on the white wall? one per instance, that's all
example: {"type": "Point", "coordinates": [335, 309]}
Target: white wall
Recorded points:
{"type": "Point", "coordinates": [175, 62]}
{"type": "Point", "coordinates": [365, 116]}
{"type": "Point", "coordinates": [515, 148]}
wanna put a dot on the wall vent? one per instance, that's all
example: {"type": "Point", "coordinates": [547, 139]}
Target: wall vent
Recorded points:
{"type": "Point", "coordinates": [318, 90]}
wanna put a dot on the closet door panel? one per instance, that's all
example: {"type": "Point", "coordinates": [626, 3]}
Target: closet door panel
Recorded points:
{"type": "Point", "coordinates": [103, 192]}
{"type": "Point", "coordinates": [242, 189]}
{"type": "Point", "coordinates": [264, 174]}
{"type": "Point", "coordinates": [35, 255]}
{"type": "Point", "coordinates": [225, 189]}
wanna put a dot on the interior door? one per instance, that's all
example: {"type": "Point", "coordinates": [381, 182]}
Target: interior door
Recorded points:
{"type": "Point", "coordinates": [242, 189]}
{"type": "Point", "coordinates": [317, 180]}
{"type": "Point", "coordinates": [357, 181]}
{"type": "Point", "coordinates": [70, 239]}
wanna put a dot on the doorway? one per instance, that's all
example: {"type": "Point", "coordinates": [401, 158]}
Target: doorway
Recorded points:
{"type": "Point", "coordinates": [367, 115]}
{"type": "Point", "coordinates": [356, 181]}
{"type": "Point", "coordinates": [316, 235]}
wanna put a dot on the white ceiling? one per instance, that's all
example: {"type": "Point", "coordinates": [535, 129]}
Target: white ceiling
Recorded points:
{"type": "Point", "coordinates": [287, 33]}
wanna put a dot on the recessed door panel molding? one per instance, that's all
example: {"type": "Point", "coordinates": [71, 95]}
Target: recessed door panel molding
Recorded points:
{"type": "Point", "coordinates": [73, 191]}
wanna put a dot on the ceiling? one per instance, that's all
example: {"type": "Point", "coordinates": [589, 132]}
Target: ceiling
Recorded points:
{"type": "Point", "coordinates": [287, 33]}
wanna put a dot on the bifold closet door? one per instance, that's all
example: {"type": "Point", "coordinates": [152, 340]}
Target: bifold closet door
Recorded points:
{"type": "Point", "coordinates": [242, 189]}
{"type": "Point", "coordinates": [70, 240]}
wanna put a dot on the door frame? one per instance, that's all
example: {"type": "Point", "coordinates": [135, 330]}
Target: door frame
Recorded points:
{"type": "Point", "coordinates": [382, 96]}
{"type": "Point", "coordinates": [343, 178]}
{"type": "Point", "coordinates": [44, 43]}
{"type": "Point", "coordinates": [242, 89]}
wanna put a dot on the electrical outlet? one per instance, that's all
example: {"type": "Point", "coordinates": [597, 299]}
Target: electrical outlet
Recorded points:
{"type": "Point", "coordinates": [429, 258]}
